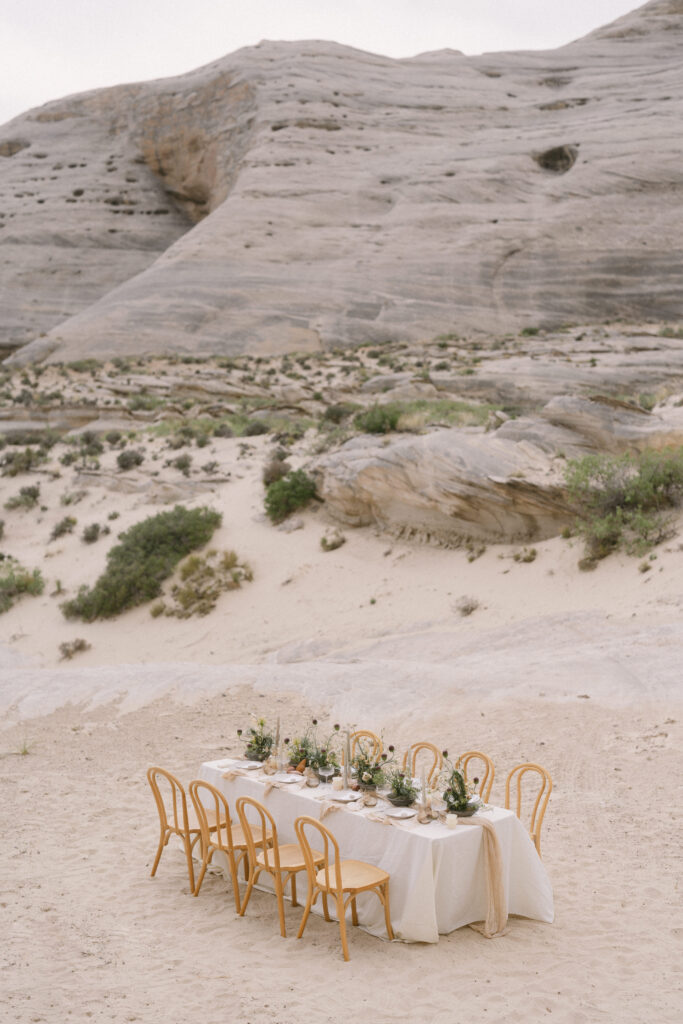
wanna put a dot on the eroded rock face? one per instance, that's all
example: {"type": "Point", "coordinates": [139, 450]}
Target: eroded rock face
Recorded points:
{"type": "Point", "coordinates": [506, 485]}
{"type": "Point", "coordinates": [298, 195]}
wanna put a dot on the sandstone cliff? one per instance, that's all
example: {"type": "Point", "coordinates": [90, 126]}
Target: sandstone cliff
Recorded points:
{"type": "Point", "coordinates": [303, 195]}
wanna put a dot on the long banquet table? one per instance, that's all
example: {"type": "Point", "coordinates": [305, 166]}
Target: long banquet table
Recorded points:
{"type": "Point", "coordinates": [437, 874]}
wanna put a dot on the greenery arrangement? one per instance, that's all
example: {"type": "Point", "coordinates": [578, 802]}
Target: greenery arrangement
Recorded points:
{"type": "Point", "coordinates": [457, 792]}
{"type": "Point", "coordinates": [370, 770]}
{"type": "Point", "coordinates": [15, 581]}
{"type": "Point", "coordinates": [259, 742]}
{"type": "Point", "coordinates": [147, 555]}
{"type": "Point", "coordinates": [403, 792]}
{"type": "Point", "coordinates": [621, 500]}
{"type": "Point", "coordinates": [316, 754]}
{"type": "Point", "coordinates": [284, 496]}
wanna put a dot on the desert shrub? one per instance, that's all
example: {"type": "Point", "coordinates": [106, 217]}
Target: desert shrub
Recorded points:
{"type": "Point", "coordinates": [92, 532]}
{"type": "Point", "coordinates": [333, 541]}
{"type": "Point", "coordinates": [466, 605]}
{"type": "Point", "coordinates": [210, 467]}
{"type": "Point", "coordinates": [146, 555]}
{"type": "Point", "coordinates": [525, 555]}
{"type": "Point", "coordinates": [622, 500]}
{"type": "Point", "coordinates": [223, 430]}
{"type": "Point", "coordinates": [90, 445]}
{"type": "Point", "coordinates": [202, 580]}
{"type": "Point", "coordinates": [65, 525]}
{"type": "Point", "coordinates": [14, 463]}
{"type": "Point", "coordinates": [338, 412]}
{"type": "Point", "coordinates": [378, 419]}
{"type": "Point", "coordinates": [26, 498]}
{"type": "Point", "coordinates": [72, 497]}
{"type": "Point", "coordinates": [71, 647]}
{"type": "Point", "coordinates": [274, 470]}
{"type": "Point", "coordinates": [253, 428]}
{"type": "Point", "coordinates": [183, 463]}
{"type": "Point", "coordinates": [15, 581]}
{"type": "Point", "coordinates": [113, 437]}
{"type": "Point", "coordinates": [129, 458]}
{"type": "Point", "coordinates": [68, 458]}
{"type": "Point", "coordinates": [291, 492]}
{"type": "Point", "coordinates": [2, 528]}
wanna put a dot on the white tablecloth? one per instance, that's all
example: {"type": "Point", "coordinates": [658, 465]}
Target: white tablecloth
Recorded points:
{"type": "Point", "coordinates": [437, 874]}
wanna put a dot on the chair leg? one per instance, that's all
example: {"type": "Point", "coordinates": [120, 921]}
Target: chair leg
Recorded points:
{"type": "Point", "coordinates": [326, 910]}
{"type": "Point", "coordinates": [158, 856]}
{"type": "Point", "coordinates": [198, 885]}
{"type": "Point", "coordinates": [354, 912]}
{"type": "Point", "coordinates": [294, 903]}
{"type": "Point", "coordinates": [188, 856]}
{"type": "Point", "coordinates": [387, 912]}
{"type": "Point", "coordinates": [280, 904]}
{"type": "Point", "coordinates": [253, 875]}
{"type": "Point", "coordinates": [307, 910]}
{"type": "Point", "coordinates": [342, 925]}
{"type": "Point", "coordinates": [235, 881]}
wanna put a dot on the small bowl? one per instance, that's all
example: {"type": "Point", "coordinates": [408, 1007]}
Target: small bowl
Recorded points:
{"type": "Point", "coordinates": [401, 801]}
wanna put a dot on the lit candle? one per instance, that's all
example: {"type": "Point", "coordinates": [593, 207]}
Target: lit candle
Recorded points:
{"type": "Point", "coordinates": [451, 820]}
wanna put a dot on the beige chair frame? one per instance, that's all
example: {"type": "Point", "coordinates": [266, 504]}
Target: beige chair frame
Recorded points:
{"type": "Point", "coordinates": [330, 880]}
{"type": "Point", "coordinates": [226, 837]}
{"type": "Point", "coordinates": [179, 823]}
{"type": "Point", "coordinates": [541, 802]}
{"type": "Point", "coordinates": [357, 737]}
{"type": "Point", "coordinates": [488, 775]}
{"type": "Point", "coordinates": [270, 857]}
{"type": "Point", "coordinates": [412, 753]}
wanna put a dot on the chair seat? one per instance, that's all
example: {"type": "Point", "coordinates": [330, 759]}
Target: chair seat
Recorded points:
{"type": "Point", "coordinates": [239, 840]}
{"type": "Point", "coordinates": [355, 875]}
{"type": "Point", "coordinates": [291, 857]}
{"type": "Point", "coordinates": [193, 821]}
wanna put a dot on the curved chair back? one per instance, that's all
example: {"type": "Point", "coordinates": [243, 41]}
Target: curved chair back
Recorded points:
{"type": "Point", "coordinates": [370, 743]}
{"type": "Point", "coordinates": [220, 834]}
{"type": "Point", "coordinates": [331, 866]}
{"type": "Point", "coordinates": [545, 788]}
{"type": "Point", "coordinates": [172, 803]}
{"type": "Point", "coordinates": [271, 855]}
{"type": "Point", "coordinates": [413, 752]}
{"type": "Point", "coordinates": [486, 775]}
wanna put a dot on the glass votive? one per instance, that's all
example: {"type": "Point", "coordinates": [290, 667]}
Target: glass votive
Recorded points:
{"type": "Point", "coordinates": [338, 783]}
{"type": "Point", "coordinates": [451, 820]}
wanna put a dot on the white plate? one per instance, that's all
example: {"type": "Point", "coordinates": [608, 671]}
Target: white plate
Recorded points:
{"type": "Point", "coordinates": [345, 797]}
{"type": "Point", "coordinates": [401, 812]}
{"type": "Point", "coordinates": [287, 777]}
{"type": "Point", "coordinates": [249, 765]}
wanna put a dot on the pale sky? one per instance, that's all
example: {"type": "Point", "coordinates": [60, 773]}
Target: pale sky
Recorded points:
{"type": "Point", "coordinates": [51, 48]}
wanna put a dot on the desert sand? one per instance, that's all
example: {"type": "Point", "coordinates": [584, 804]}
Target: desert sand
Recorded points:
{"type": "Point", "coordinates": [579, 671]}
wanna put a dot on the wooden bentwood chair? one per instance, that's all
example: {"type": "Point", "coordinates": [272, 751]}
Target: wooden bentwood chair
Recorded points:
{"type": "Point", "coordinates": [226, 837]}
{"type": "Point", "coordinates": [541, 802]}
{"type": "Point", "coordinates": [370, 743]}
{"type": "Point", "coordinates": [486, 775]}
{"type": "Point", "coordinates": [335, 879]}
{"type": "Point", "coordinates": [174, 818]}
{"type": "Point", "coordinates": [412, 753]}
{"type": "Point", "coordinates": [282, 862]}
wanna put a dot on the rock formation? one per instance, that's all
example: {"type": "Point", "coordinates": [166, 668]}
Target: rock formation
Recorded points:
{"type": "Point", "coordinates": [502, 486]}
{"type": "Point", "coordinates": [293, 196]}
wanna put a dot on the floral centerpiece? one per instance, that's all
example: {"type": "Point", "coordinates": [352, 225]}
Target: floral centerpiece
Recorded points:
{"type": "Point", "coordinates": [311, 752]}
{"type": "Point", "coordinates": [403, 792]}
{"type": "Point", "coordinates": [259, 741]}
{"type": "Point", "coordinates": [458, 792]}
{"type": "Point", "coordinates": [370, 769]}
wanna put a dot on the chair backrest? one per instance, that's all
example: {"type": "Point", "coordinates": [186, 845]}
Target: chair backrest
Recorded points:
{"type": "Point", "coordinates": [485, 775]}
{"type": "Point", "coordinates": [413, 752]}
{"type": "Point", "coordinates": [173, 809]}
{"type": "Point", "coordinates": [331, 866]}
{"type": "Point", "coordinates": [265, 820]}
{"type": "Point", "coordinates": [214, 800]}
{"type": "Point", "coordinates": [370, 743]}
{"type": "Point", "coordinates": [545, 788]}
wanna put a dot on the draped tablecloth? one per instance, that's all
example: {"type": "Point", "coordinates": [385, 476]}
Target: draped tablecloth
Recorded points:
{"type": "Point", "coordinates": [438, 878]}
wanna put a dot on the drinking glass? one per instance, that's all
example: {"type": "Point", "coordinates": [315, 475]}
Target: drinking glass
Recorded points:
{"type": "Point", "coordinates": [326, 771]}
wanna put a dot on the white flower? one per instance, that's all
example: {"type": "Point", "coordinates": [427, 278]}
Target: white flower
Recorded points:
{"type": "Point", "coordinates": [367, 777]}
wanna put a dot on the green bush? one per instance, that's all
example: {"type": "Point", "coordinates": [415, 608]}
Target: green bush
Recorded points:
{"type": "Point", "coordinates": [92, 532]}
{"type": "Point", "coordinates": [15, 581]}
{"type": "Point", "coordinates": [65, 525]}
{"type": "Point", "coordinates": [291, 492]}
{"type": "Point", "coordinates": [621, 500]}
{"type": "Point", "coordinates": [26, 498]}
{"type": "Point", "coordinates": [14, 463]}
{"type": "Point", "coordinates": [147, 555]}
{"type": "Point", "coordinates": [129, 458]}
{"type": "Point", "coordinates": [378, 419]}
{"type": "Point", "coordinates": [255, 427]}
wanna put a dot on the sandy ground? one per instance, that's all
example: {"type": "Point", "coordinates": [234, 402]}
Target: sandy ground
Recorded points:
{"type": "Point", "coordinates": [578, 671]}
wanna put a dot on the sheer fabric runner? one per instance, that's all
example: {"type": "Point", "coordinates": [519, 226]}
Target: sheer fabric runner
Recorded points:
{"type": "Point", "coordinates": [496, 903]}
